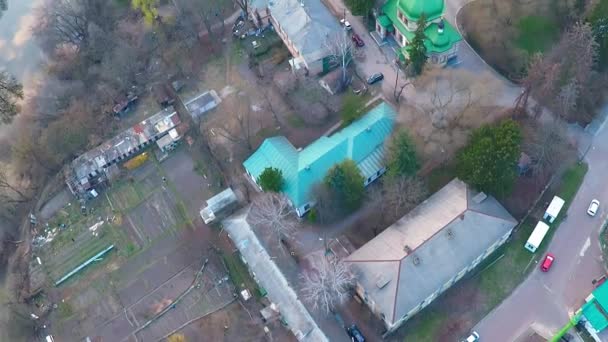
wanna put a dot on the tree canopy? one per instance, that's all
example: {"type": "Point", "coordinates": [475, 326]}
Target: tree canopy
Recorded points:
{"type": "Point", "coordinates": [360, 7]}
{"type": "Point", "coordinates": [598, 18]}
{"type": "Point", "coordinates": [346, 182]}
{"type": "Point", "coordinates": [401, 155]}
{"type": "Point", "coordinates": [10, 92]}
{"type": "Point", "coordinates": [489, 161]}
{"type": "Point", "coordinates": [147, 8]}
{"type": "Point", "coordinates": [271, 179]}
{"type": "Point", "coordinates": [3, 7]}
{"type": "Point", "coordinates": [352, 108]}
{"type": "Point", "coordinates": [416, 49]}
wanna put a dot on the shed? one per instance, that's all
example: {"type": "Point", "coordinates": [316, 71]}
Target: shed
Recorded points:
{"type": "Point", "coordinates": [553, 210]}
{"type": "Point", "coordinates": [202, 103]}
{"type": "Point", "coordinates": [221, 204]}
{"type": "Point", "coordinates": [169, 142]}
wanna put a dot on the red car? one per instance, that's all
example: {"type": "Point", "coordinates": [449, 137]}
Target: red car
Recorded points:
{"type": "Point", "coordinates": [357, 40]}
{"type": "Point", "coordinates": [546, 265]}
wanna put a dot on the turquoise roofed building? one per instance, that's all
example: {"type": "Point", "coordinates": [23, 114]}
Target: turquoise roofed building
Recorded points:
{"type": "Point", "coordinates": [595, 310]}
{"type": "Point", "coordinates": [398, 22]}
{"type": "Point", "coordinates": [362, 141]}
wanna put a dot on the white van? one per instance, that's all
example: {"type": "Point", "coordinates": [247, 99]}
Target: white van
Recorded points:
{"type": "Point", "coordinates": [537, 236]}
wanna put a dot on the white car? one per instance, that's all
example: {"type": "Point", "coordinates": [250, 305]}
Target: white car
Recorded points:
{"type": "Point", "coordinates": [473, 337]}
{"type": "Point", "coordinates": [595, 204]}
{"type": "Point", "coordinates": [346, 24]}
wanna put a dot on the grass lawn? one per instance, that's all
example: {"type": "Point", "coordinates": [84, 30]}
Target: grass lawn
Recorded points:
{"type": "Point", "coordinates": [126, 196]}
{"type": "Point", "coordinates": [239, 275]}
{"type": "Point", "coordinates": [536, 33]}
{"type": "Point", "coordinates": [295, 121]}
{"type": "Point", "coordinates": [498, 276]}
{"type": "Point", "coordinates": [439, 177]}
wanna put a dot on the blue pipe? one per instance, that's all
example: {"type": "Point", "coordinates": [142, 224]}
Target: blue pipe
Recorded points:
{"type": "Point", "coordinates": [83, 265]}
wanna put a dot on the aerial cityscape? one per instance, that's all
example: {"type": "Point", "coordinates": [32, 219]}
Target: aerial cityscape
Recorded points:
{"type": "Point", "coordinates": [303, 170]}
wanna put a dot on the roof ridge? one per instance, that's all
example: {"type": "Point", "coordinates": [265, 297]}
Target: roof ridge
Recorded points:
{"type": "Point", "coordinates": [396, 292]}
{"type": "Point", "coordinates": [434, 234]}
{"type": "Point", "coordinates": [494, 216]}
{"type": "Point", "coordinates": [388, 260]}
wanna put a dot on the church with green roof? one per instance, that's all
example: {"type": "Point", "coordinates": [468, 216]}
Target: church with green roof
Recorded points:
{"type": "Point", "coordinates": [398, 21]}
{"type": "Point", "coordinates": [362, 142]}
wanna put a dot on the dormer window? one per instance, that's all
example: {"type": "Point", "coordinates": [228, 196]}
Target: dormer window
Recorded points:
{"type": "Point", "coordinates": [402, 17]}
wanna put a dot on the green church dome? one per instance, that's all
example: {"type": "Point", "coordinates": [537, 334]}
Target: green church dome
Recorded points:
{"type": "Point", "coordinates": [413, 9]}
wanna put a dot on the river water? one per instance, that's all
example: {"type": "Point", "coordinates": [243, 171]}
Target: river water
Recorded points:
{"type": "Point", "coordinates": [19, 53]}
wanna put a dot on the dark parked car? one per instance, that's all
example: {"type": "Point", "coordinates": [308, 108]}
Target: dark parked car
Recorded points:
{"type": "Point", "coordinates": [375, 78]}
{"type": "Point", "coordinates": [357, 40]}
{"type": "Point", "coordinates": [355, 334]}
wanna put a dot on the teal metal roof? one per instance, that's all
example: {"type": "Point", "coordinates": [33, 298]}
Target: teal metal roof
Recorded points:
{"type": "Point", "coordinates": [362, 141]}
{"type": "Point", "coordinates": [596, 310]}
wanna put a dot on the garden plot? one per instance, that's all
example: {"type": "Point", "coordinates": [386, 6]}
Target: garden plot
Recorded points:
{"type": "Point", "coordinates": [159, 214]}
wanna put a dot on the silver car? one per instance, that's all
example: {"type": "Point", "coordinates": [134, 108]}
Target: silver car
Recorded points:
{"type": "Point", "coordinates": [474, 337]}
{"type": "Point", "coordinates": [592, 210]}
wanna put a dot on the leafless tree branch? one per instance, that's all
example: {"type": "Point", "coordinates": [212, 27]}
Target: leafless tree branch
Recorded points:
{"type": "Point", "coordinates": [402, 194]}
{"type": "Point", "coordinates": [272, 214]}
{"type": "Point", "coordinates": [327, 283]}
{"type": "Point", "coordinates": [342, 48]}
{"type": "Point", "coordinates": [547, 147]}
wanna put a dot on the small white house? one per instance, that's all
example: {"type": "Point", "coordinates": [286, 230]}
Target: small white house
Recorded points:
{"type": "Point", "coordinates": [553, 210]}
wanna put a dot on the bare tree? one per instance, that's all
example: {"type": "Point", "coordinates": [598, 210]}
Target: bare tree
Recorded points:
{"type": "Point", "coordinates": [577, 51]}
{"type": "Point", "coordinates": [449, 101]}
{"type": "Point", "coordinates": [398, 90]}
{"type": "Point", "coordinates": [10, 92]}
{"type": "Point", "coordinates": [563, 77]}
{"type": "Point", "coordinates": [270, 106]}
{"type": "Point", "coordinates": [239, 131]}
{"type": "Point", "coordinates": [272, 214]}
{"type": "Point", "coordinates": [9, 192]}
{"type": "Point", "coordinates": [540, 81]}
{"type": "Point", "coordinates": [402, 194]}
{"type": "Point", "coordinates": [547, 147]}
{"type": "Point", "coordinates": [244, 5]}
{"type": "Point", "coordinates": [567, 98]}
{"type": "Point", "coordinates": [64, 22]}
{"type": "Point", "coordinates": [327, 207]}
{"type": "Point", "coordinates": [327, 284]}
{"type": "Point", "coordinates": [3, 7]}
{"type": "Point", "coordinates": [341, 47]}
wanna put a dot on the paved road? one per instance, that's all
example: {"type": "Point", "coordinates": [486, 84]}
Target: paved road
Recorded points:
{"type": "Point", "coordinates": [547, 299]}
